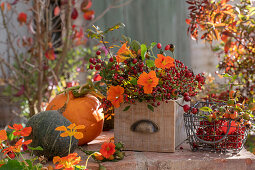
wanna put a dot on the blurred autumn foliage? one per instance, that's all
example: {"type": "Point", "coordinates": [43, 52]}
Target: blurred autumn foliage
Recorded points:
{"type": "Point", "coordinates": [231, 25]}
{"type": "Point", "coordinates": [46, 45]}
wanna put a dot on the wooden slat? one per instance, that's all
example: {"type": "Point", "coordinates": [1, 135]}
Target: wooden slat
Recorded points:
{"type": "Point", "coordinates": [169, 118]}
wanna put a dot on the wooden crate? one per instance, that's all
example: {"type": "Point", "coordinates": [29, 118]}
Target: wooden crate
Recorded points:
{"type": "Point", "coordinates": [168, 117]}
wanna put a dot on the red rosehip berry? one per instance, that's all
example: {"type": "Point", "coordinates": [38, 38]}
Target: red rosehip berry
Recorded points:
{"type": "Point", "coordinates": [24, 147]}
{"type": "Point", "coordinates": [167, 47]}
{"type": "Point", "coordinates": [91, 67]}
{"type": "Point", "coordinates": [159, 46]}
{"type": "Point", "coordinates": [11, 155]}
{"type": "Point", "coordinates": [186, 108]}
{"type": "Point", "coordinates": [194, 110]}
{"type": "Point", "coordinates": [134, 61]}
{"type": "Point", "coordinates": [97, 67]}
{"type": "Point", "coordinates": [185, 94]}
{"type": "Point", "coordinates": [91, 60]}
{"type": "Point", "coordinates": [98, 52]}
{"type": "Point", "coordinates": [187, 98]}
{"type": "Point", "coordinates": [111, 59]}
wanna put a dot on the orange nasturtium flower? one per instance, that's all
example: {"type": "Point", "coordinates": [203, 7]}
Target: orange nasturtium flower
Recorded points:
{"type": "Point", "coordinates": [115, 95]}
{"type": "Point", "coordinates": [72, 131]}
{"type": "Point", "coordinates": [17, 147]}
{"type": "Point", "coordinates": [148, 81]}
{"type": "Point", "coordinates": [164, 62]}
{"type": "Point", "coordinates": [20, 131]}
{"type": "Point", "coordinates": [68, 162]}
{"type": "Point", "coordinates": [123, 53]}
{"type": "Point", "coordinates": [3, 137]}
{"type": "Point", "coordinates": [107, 149]}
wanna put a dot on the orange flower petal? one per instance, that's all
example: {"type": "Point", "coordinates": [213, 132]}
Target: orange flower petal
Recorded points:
{"type": "Point", "coordinates": [71, 126]}
{"type": "Point", "coordinates": [3, 135]}
{"type": "Point", "coordinates": [61, 128]}
{"type": "Point", "coordinates": [78, 135]}
{"type": "Point", "coordinates": [64, 134]}
{"type": "Point", "coordinates": [27, 142]}
{"type": "Point", "coordinates": [115, 95]}
{"type": "Point", "coordinates": [56, 159]}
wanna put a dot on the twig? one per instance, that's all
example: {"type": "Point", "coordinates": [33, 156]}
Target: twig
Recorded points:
{"type": "Point", "coordinates": [67, 40]}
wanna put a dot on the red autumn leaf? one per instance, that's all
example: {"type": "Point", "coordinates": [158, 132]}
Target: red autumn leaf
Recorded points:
{"type": "Point", "coordinates": [89, 14]}
{"type": "Point", "coordinates": [2, 6]}
{"type": "Point", "coordinates": [57, 11]}
{"type": "Point", "coordinates": [188, 21]}
{"type": "Point", "coordinates": [74, 14]}
{"type": "Point", "coordinates": [227, 46]}
{"type": "Point", "coordinates": [50, 54]}
{"type": "Point", "coordinates": [22, 18]}
{"type": "Point", "coordinates": [85, 5]}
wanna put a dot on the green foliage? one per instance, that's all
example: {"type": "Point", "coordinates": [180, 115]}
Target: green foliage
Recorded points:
{"type": "Point", "coordinates": [143, 51]}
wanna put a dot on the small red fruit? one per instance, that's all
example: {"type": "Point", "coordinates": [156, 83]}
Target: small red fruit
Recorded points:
{"type": "Point", "coordinates": [159, 46]}
{"type": "Point", "coordinates": [134, 61]}
{"type": "Point", "coordinates": [111, 59]}
{"type": "Point", "coordinates": [22, 18]}
{"type": "Point", "coordinates": [194, 110]}
{"type": "Point", "coordinates": [187, 98]}
{"type": "Point", "coordinates": [24, 147]}
{"type": "Point", "coordinates": [97, 67]}
{"type": "Point", "coordinates": [11, 155]}
{"type": "Point", "coordinates": [185, 94]}
{"type": "Point", "coordinates": [98, 52]}
{"type": "Point", "coordinates": [91, 67]}
{"type": "Point", "coordinates": [186, 108]}
{"type": "Point", "coordinates": [167, 47]}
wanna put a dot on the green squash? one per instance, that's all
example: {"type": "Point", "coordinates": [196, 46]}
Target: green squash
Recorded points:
{"type": "Point", "coordinates": [44, 134]}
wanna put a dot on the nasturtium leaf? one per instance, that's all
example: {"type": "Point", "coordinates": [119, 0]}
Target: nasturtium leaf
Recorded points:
{"type": "Point", "coordinates": [152, 45]}
{"type": "Point", "coordinates": [150, 107]}
{"type": "Point", "coordinates": [143, 51]}
{"type": "Point", "coordinates": [126, 108]}
{"type": "Point", "coordinates": [206, 109]}
{"type": "Point", "coordinates": [150, 63]}
{"type": "Point", "coordinates": [38, 148]}
{"type": "Point", "coordinates": [11, 164]}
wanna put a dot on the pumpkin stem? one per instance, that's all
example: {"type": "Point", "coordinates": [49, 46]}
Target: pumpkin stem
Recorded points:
{"type": "Point", "coordinates": [63, 108]}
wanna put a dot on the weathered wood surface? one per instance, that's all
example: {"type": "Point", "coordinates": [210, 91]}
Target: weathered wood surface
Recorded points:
{"type": "Point", "coordinates": [168, 117]}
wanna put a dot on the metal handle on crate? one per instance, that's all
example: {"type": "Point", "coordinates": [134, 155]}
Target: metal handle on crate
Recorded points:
{"type": "Point", "coordinates": [211, 142]}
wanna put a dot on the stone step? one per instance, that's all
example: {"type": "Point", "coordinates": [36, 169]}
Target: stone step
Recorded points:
{"type": "Point", "coordinates": [182, 159]}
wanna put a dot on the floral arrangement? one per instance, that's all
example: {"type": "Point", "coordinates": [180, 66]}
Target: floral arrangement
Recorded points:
{"type": "Point", "coordinates": [134, 73]}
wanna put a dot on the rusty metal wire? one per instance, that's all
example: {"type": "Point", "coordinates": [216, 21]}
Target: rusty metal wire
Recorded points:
{"type": "Point", "coordinates": [221, 135]}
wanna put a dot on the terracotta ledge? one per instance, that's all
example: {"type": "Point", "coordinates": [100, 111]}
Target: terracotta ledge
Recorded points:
{"type": "Point", "coordinates": [182, 159]}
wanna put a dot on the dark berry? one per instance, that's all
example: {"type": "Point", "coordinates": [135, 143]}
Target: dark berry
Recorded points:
{"type": "Point", "coordinates": [91, 67]}
{"type": "Point", "coordinates": [111, 59]}
{"type": "Point", "coordinates": [194, 110]}
{"type": "Point", "coordinates": [98, 52]}
{"type": "Point", "coordinates": [187, 98]}
{"type": "Point", "coordinates": [186, 108]}
{"type": "Point", "coordinates": [97, 67]}
{"type": "Point", "coordinates": [74, 14]}
{"type": "Point", "coordinates": [134, 61]}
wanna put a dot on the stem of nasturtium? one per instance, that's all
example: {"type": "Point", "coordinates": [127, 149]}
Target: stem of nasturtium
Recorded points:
{"type": "Point", "coordinates": [70, 145]}
{"type": "Point", "coordinates": [88, 160]}
{"type": "Point", "coordinates": [23, 160]}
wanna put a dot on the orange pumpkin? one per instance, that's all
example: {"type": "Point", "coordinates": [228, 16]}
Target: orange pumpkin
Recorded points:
{"type": "Point", "coordinates": [81, 111]}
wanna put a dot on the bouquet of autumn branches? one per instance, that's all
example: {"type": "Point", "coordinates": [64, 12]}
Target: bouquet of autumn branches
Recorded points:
{"type": "Point", "coordinates": [134, 74]}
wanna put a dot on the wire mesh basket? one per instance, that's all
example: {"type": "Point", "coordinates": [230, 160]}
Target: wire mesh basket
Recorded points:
{"type": "Point", "coordinates": [219, 135]}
